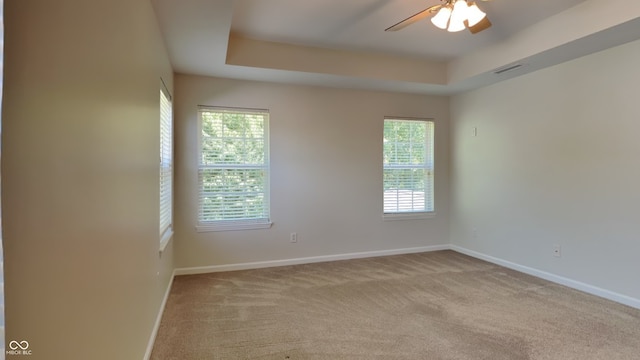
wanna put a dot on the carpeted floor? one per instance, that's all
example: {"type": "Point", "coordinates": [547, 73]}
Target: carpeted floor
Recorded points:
{"type": "Point", "coordinates": [439, 305]}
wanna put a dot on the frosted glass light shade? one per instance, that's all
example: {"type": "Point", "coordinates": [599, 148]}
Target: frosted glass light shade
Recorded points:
{"type": "Point", "coordinates": [441, 19]}
{"type": "Point", "coordinates": [458, 16]}
{"type": "Point", "coordinates": [474, 14]}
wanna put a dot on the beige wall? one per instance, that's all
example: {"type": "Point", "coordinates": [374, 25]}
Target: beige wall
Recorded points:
{"type": "Point", "coordinates": [80, 152]}
{"type": "Point", "coordinates": [555, 162]}
{"type": "Point", "coordinates": [326, 180]}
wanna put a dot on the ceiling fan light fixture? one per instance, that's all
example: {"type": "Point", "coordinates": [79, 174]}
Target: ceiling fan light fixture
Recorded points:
{"type": "Point", "coordinates": [441, 19]}
{"type": "Point", "coordinates": [458, 16]}
{"type": "Point", "coordinates": [474, 14]}
{"type": "Point", "coordinates": [450, 15]}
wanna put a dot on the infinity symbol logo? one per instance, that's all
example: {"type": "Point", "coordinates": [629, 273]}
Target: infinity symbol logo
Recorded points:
{"type": "Point", "coordinates": [23, 345]}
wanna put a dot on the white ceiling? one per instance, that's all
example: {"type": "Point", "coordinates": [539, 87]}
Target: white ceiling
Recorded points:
{"type": "Point", "coordinates": [537, 33]}
{"type": "Point", "coordinates": [360, 24]}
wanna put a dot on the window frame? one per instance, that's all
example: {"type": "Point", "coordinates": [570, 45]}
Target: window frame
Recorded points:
{"type": "Point", "coordinates": [429, 167]}
{"type": "Point", "coordinates": [166, 166]}
{"type": "Point", "coordinates": [238, 224]}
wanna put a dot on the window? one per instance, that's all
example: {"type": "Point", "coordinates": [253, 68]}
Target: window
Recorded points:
{"type": "Point", "coordinates": [408, 168]}
{"type": "Point", "coordinates": [233, 172]}
{"type": "Point", "coordinates": [166, 168]}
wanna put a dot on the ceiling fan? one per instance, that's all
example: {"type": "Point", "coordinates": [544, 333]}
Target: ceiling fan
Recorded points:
{"type": "Point", "coordinates": [452, 15]}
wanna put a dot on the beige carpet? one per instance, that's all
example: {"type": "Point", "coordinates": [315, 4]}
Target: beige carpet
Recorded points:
{"type": "Point", "coordinates": [440, 305]}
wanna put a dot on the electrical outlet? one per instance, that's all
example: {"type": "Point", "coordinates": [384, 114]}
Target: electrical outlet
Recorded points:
{"type": "Point", "coordinates": [557, 250]}
{"type": "Point", "coordinates": [293, 238]}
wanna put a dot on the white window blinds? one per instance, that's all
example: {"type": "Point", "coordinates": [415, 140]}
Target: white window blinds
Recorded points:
{"type": "Point", "coordinates": [233, 169]}
{"type": "Point", "coordinates": [408, 166]}
{"type": "Point", "coordinates": [166, 166]}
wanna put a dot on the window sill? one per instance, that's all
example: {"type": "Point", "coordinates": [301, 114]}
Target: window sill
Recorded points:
{"type": "Point", "coordinates": [165, 240]}
{"type": "Point", "coordinates": [232, 227]}
{"type": "Point", "coordinates": [408, 216]}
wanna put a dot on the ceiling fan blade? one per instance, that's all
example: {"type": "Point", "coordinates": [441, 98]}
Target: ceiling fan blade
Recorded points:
{"type": "Point", "coordinates": [414, 18]}
{"type": "Point", "coordinates": [482, 25]}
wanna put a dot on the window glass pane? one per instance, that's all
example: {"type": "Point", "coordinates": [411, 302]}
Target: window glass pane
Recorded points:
{"type": "Point", "coordinates": [408, 166]}
{"type": "Point", "coordinates": [234, 169]}
{"type": "Point", "coordinates": [166, 164]}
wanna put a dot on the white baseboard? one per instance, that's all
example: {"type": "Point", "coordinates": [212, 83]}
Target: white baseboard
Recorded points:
{"type": "Point", "coordinates": [156, 326]}
{"type": "Point", "coordinates": [594, 290]}
{"type": "Point", "coordinates": [306, 260]}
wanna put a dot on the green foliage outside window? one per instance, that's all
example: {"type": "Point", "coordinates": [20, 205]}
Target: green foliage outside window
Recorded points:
{"type": "Point", "coordinates": [405, 154]}
{"type": "Point", "coordinates": [233, 166]}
